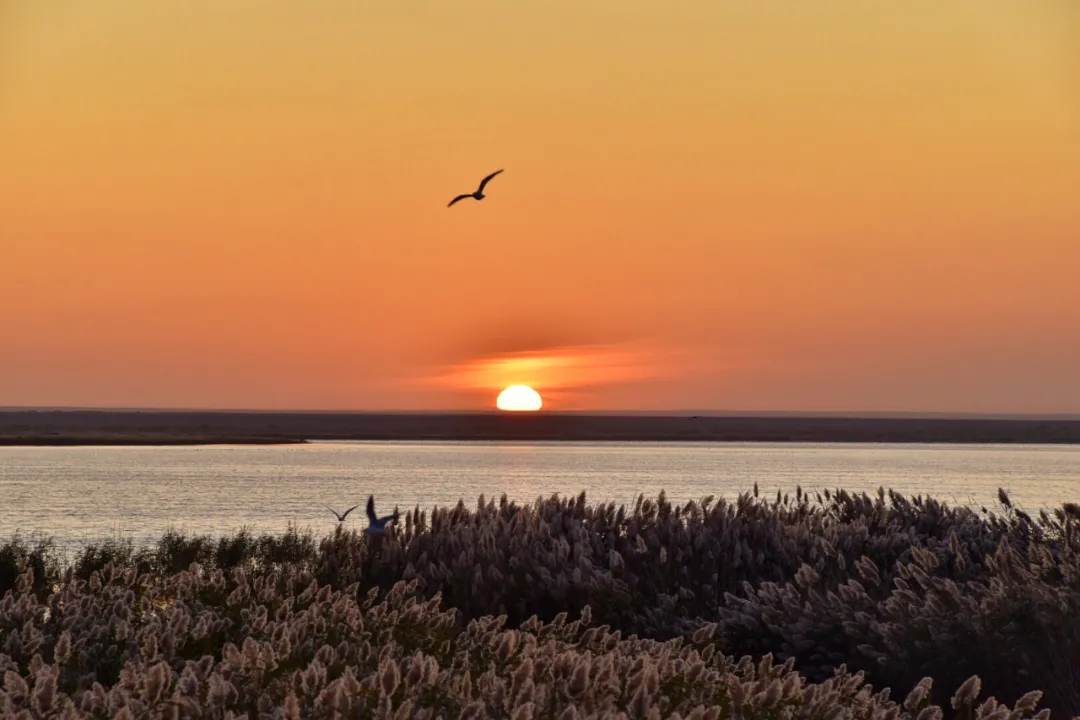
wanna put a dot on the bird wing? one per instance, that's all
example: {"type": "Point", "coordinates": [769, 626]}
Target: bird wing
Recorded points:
{"type": "Point", "coordinates": [371, 509]}
{"type": "Point", "coordinates": [486, 180]}
{"type": "Point", "coordinates": [346, 513]}
{"type": "Point", "coordinates": [459, 197]}
{"type": "Point", "coordinates": [339, 517]}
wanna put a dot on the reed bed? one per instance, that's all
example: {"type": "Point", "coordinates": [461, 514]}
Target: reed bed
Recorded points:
{"type": "Point", "coordinates": [827, 607]}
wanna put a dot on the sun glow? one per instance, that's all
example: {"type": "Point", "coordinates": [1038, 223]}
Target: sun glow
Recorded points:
{"type": "Point", "coordinates": [519, 397]}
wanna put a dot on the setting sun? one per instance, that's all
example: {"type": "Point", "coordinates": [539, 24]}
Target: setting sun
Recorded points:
{"type": "Point", "coordinates": [519, 397]}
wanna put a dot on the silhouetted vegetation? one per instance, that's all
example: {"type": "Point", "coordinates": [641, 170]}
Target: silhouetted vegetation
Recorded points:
{"type": "Point", "coordinates": [465, 612]}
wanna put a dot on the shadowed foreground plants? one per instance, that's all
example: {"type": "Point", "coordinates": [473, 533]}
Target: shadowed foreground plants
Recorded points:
{"type": "Point", "coordinates": [203, 644]}
{"type": "Point", "coordinates": [464, 613]}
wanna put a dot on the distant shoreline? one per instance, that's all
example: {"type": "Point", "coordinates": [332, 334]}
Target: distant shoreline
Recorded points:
{"type": "Point", "coordinates": [171, 428]}
{"type": "Point", "coordinates": [134, 439]}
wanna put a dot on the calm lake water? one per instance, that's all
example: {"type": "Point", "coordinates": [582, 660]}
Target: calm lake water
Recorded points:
{"type": "Point", "coordinates": [84, 493]}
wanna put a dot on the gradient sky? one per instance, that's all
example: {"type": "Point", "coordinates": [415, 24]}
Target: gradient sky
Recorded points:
{"type": "Point", "coordinates": [742, 205]}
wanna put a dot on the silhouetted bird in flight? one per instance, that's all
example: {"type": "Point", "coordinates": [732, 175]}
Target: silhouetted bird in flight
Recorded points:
{"type": "Point", "coordinates": [342, 516]}
{"type": "Point", "coordinates": [377, 525]}
{"type": "Point", "coordinates": [479, 194]}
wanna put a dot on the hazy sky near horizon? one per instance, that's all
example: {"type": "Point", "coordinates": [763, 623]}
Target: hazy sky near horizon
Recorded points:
{"type": "Point", "coordinates": [836, 205]}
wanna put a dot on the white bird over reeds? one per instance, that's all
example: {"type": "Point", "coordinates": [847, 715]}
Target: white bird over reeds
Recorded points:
{"type": "Point", "coordinates": [377, 525]}
{"type": "Point", "coordinates": [341, 516]}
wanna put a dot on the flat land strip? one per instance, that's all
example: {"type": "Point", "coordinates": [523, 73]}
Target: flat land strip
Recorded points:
{"type": "Point", "coordinates": [107, 427]}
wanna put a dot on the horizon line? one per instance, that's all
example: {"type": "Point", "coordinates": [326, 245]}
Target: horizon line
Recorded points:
{"type": "Point", "coordinates": [848, 414]}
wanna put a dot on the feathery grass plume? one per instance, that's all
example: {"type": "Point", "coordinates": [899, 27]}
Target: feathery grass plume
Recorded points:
{"type": "Point", "coordinates": [967, 693]}
{"type": "Point", "coordinates": [932, 712]}
{"type": "Point", "coordinates": [919, 694]}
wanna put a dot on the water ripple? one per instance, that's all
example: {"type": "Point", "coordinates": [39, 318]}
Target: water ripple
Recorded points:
{"type": "Point", "coordinates": [78, 494]}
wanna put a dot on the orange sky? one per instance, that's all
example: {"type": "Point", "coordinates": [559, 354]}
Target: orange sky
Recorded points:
{"type": "Point", "coordinates": [837, 205]}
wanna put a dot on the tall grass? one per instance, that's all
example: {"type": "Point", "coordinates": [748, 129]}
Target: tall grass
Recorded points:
{"type": "Point", "coordinates": [834, 604]}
